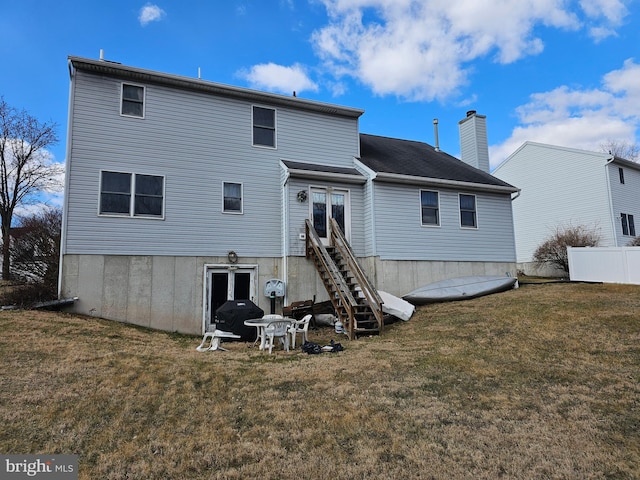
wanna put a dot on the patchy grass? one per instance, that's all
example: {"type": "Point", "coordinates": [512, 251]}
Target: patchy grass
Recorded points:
{"type": "Point", "coordinates": [539, 382]}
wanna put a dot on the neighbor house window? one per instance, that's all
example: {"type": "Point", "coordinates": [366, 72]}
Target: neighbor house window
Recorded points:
{"type": "Point", "coordinates": [264, 127]}
{"type": "Point", "coordinates": [621, 174]}
{"type": "Point", "coordinates": [628, 225]}
{"type": "Point", "coordinates": [232, 197]}
{"type": "Point", "coordinates": [132, 100]}
{"type": "Point", "coordinates": [131, 195]}
{"type": "Point", "coordinates": [468, 217]}
{"type": "Point", "coordinates": [429, 202]}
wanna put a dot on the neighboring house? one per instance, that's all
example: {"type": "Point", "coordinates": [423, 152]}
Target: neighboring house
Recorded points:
{"type": "Point", "coordinates": [183, 193]}
{"type": "Point", "coordinates": [563, 187]}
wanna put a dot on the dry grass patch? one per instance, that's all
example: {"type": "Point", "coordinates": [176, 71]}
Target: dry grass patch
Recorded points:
{"type": "Point", "coordinates": [539, 382]}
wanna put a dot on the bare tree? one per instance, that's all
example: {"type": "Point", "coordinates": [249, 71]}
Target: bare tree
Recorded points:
{"type": "Point", "coordinates": [622, 149]}
{"type": "Point", "coordinates": [26, 168]}
{"type": "Point", "coordinates": [553, 250]}
{"type": "Point", "coordinates": [35, 248]}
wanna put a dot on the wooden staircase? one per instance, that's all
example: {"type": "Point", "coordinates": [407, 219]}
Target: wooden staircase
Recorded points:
{"type": "Point", "coordinates": [355, 300]}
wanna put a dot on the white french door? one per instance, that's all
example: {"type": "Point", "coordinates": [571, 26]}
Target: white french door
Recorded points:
{"type": "Point", "coordinates": [327, 203]}
{"type": "Point", "coordinates": [227, 283]}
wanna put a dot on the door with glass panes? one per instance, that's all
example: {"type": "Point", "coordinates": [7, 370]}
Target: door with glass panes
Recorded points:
{"type": "Point", "coordinates": [236, 283]}
{"type": "Point", "coordinates": [329, 203]}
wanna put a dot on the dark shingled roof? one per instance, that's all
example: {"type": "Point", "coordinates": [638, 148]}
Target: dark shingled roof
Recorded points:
{"type": "Point", "coordinates": [418, 159]}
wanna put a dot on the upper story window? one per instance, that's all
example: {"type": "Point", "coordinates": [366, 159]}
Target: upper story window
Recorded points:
{"type": "Point", "coordinates": [232, 197]}
{"type": "Point", "coordinates": [468, 217]}
{"type": "Point", "coordinates": [628, 225]}
{"type": "Point", "coordinates": [131, 194]}
{"type": "Point", "coordinates": [264, 127]}
{"type": "Point", "coordinates": [132, 100]}
{"type": "Point", "coordinates": [430, 205]}
{"type": "Point", "coordinates": [621, 174]}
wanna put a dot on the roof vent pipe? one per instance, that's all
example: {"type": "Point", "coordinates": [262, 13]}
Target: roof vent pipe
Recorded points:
{"type": "Point", "coordinates": [101, 55]}
{"type": "Point", "coordinates": [435, 132]}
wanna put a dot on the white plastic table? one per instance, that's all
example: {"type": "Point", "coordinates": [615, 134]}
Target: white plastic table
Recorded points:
{"type": "Point", "coordinates": [261, 324]}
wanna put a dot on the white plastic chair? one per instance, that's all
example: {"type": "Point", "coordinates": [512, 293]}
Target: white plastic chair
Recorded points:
{"type": "Point", "coordinates": [268, 317]}
{"type": "Point", "coordinates": [299, 326]}
{"type": "Point", "coordinates": [277, 329]}
{"type": "Point", "coordinates": [213, 340]}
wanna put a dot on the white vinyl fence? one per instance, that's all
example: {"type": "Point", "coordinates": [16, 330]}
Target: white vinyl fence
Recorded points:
{"type": "Point", "coordinates": [604, 264]}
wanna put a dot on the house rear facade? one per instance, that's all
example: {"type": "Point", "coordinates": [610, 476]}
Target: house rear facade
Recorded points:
{"type": "Point", "coordinates": [563, 187]}
{"type": "Point", "coordinates": [183, 193]}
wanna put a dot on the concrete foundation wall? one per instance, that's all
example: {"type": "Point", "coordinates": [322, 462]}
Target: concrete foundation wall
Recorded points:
{"type": "Point", "coordinates": [397, 277]}
{"type": "Point", "coordinates": [167, 293]}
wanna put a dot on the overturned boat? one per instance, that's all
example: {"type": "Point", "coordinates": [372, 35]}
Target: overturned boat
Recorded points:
{"type": "Point", "coordinates": [461, 288]}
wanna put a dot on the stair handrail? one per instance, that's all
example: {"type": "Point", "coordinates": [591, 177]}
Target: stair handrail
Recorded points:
{"type": "Point", "coordinates": [339, 283]}
{"type": "Point", "coordinates": [372, 296]}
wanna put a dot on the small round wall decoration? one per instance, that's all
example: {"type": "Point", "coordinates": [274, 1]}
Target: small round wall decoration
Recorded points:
{"type": "Point", "coordinates": [232, 256]}
{"type": "Point", "coordinates": [302, 196]}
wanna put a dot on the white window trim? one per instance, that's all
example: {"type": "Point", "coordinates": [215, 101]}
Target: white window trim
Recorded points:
{"type": "Point", "coordinates": [233, 212]}
{"type": "Point", "coordinates": [275, 128]}
{"type": "Point", "coordinates": [225, 267]}
{"type": "Point", "coordinates": [133, 196]}
{"type": "Point", "coordinates": [144, 100]}
{"type": "Point", "coordinates": [429, 225]}
{"type": "Point", "coordinates": [465, 227]}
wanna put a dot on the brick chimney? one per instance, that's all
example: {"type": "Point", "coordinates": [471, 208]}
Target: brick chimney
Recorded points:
{"type": "Point", "coordinates": [474, 147]}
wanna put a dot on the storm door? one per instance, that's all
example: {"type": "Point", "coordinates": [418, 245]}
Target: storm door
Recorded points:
{"type": "Point", "coordinates": [329, 203]}
{"type": "Point", "coordinates": [227, 283]}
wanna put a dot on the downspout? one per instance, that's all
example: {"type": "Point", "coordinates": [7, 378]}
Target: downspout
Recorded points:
{"type": "Point", "coordinates": [67, 168]}
{"type": "Point", "coordinates": [285, 235]}
{"type": "Point", "coordinates": [612, 215]}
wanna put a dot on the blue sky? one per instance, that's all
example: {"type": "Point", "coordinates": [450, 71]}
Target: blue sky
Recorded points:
{"type": "Point", "coordinates": [563, 72]}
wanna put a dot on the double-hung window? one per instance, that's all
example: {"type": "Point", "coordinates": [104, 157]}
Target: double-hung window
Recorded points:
{"type": "Point", "coordinates": [264, 127]}
{"type": "Point", "coordinates": [468, 217]}
{"type": "Point", "coordinates": [232, 197]}
{"type": "Point", "coordinates": [430, 207]}
{"type": "Point", "coordinates": [131, 195]}
{"type": "Point", "coordinates": [621, 175]}
{"type": "Point", "coordinates": [628, 224]}
{"type": "Point", "coordinates": [132, 100]}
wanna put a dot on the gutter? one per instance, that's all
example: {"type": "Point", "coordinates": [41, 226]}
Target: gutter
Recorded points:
{"type": "Point", "coordinates": [327, 176]}
{"type": "Point", "coordinates": [410, 179]}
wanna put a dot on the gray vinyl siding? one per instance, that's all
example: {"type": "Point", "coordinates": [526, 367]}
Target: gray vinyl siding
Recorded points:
{"type": "Point", "coordinates": [625, 198]}
{"type": "Point", "coordinates": [196, 141]}
{"type": "Point", "coordinates": [560, 187]}
{"type": "Point", "coordinates": [401, 236]}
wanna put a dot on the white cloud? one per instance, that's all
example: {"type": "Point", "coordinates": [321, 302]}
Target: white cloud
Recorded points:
{"type": "Point", "coordinates": [278, 78]}
{"type": "Point", "coordinates": [576, 118]}
{"type": "Point", "coordinates": [150, 13]}
{"type": "Point", "coordinates": [421, 49]}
